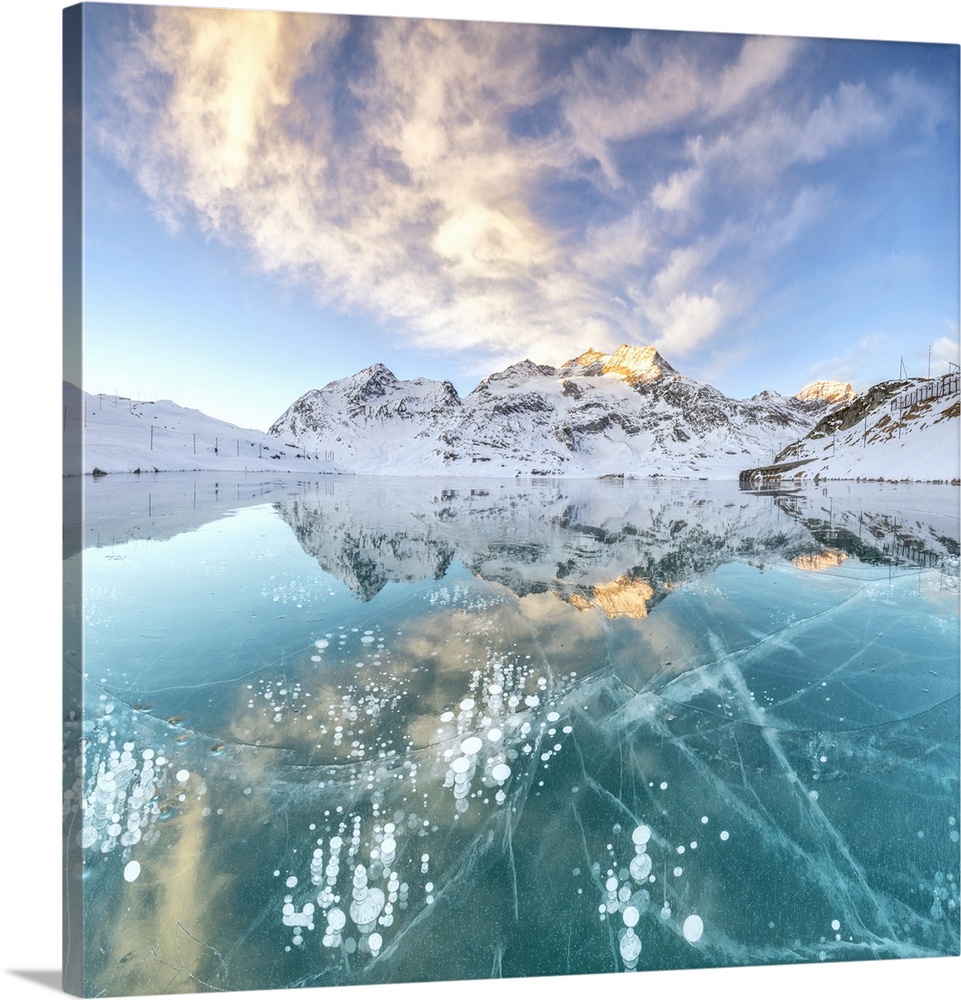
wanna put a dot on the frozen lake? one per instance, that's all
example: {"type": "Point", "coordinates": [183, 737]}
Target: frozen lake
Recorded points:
{"type": "Point", "coordinates": [365, 730]}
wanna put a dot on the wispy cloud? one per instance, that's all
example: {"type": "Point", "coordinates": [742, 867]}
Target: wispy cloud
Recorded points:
{"type": "Point", "coordinates": [387, 165]}
{"type": "Point", "coordinates": [850, 365]}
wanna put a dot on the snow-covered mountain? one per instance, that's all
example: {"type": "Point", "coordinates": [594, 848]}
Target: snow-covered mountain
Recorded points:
{"type": "Point", "coordinates": [829, 392]}
{"type": "Point", "coordinates": [625, 414]}
{"type": "Point", "coordinates": [104, 433]}
{"type": "Point", "coordinates": [902, 429]}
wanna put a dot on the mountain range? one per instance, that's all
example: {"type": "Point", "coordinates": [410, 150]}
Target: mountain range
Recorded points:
{"type": "Point", "coordinates": [629, 413]}
{"type": "Point", "coordinates": [626, 414]}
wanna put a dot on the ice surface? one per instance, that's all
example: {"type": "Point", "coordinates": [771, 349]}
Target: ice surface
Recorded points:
{"type": "Point", "coordinates": [357, 731]}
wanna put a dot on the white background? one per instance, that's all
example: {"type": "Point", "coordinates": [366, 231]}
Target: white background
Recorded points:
{"type": "Point", "coordinates": [30, 374]}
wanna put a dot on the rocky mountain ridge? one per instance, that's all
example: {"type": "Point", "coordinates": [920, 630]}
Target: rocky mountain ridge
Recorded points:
{"type": "Point", "coordinates": [630, 413]}
{"type": "Point", "coordinates": [903, 429]}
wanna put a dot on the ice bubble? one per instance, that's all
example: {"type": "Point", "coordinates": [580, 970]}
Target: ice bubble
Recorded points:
{"type": "Point", "coordinates": [678, 872]}
{"type": "Point", "coordinates": [631, 916]}
{"type": "Point", "coordinates": [460, 765]}
{"type": "Point", "coordinates": [630, 948]}
{"type": "Point", "coordinates": [321, 643]}
{"type": "Point", "coordinates": [132, 870]}
{"type": "Point", "coordinates": [553, 716]}
{"type": "Point", "coordinates": [471, 745]}
{"type": "Point", "coordinates": [835, 925]}
{"type": "Point", "coordinates": [724, 835]}
{"type": "Point", "coordinates": [693, 928]}
{"type": "Point", "coordinates": [641, 835]}
{"type": "Point", "coordinates": [641, 867]}
{"type": "Point", "coordinates": [495, 689]}
{"type": "Point", "coordinates": [467, 704]}
{"type": "Point", "coordinates": [336, 919]}
{"type": "Point", "coordinates": [532, 701]}
{"type": "Point", "coordinates": [611, 884]}
{"type": "Point", "coordinates": [367, 910]}
{"type": "Point", "coordinates": [704, 819]}
{"type": "Point", "coordinates": [291, 881]}
{"type": "Point", "coordinates": [375, 942]}
{"type": "Point", "coordinates": [183, 774]}
{"type": "Point", "coordinates": [501, 772]}
{"type": "Point", "coordinates": [494, 735]}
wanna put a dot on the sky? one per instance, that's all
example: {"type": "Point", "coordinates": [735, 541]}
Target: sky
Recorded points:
{"type": "Point", "coordinates": [273, 201]}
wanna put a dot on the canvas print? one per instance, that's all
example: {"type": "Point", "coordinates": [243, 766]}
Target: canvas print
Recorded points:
{"type": "Point", "coordinates": [511, 481]}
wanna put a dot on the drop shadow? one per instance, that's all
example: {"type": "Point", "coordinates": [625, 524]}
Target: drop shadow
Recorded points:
{"type": "Point", "coordinates": [51, 978]}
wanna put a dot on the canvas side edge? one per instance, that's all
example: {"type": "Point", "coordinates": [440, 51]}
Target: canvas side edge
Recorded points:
{"type": "Point", "coordinates": [72, 979]}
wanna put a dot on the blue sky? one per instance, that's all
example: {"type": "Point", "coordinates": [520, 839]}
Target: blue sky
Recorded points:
{"type": "Point", "coordinates": [275, 201]}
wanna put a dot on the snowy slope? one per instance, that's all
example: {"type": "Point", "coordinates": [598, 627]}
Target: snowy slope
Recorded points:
{"type": "Point", "coordinates": [625, 414]}
{"type": "Point", "coordinates": [904, 430]}
{"type": "Point", "coordinates": [116, 434]}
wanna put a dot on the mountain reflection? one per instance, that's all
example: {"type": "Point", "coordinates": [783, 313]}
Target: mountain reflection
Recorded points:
{"type": "Point", "coordinates": [619, 547]}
